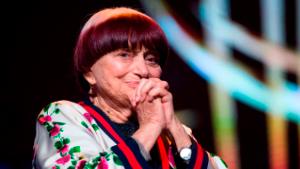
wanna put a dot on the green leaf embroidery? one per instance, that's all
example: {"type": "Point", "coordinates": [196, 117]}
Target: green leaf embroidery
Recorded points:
{"type": "Point", "coordinates": [66, 141]}
{"type": "Point", "coordinates": [84, 124]}
{"type": "Point", "coordinates": [48, 127]}
{"type": "Point", "coordinates": [74, 162]}
{"type": "Point", "coordinates": [58, 145]}
{"type": "Point", "coordinates": [224, 162]}
{"type": "Point", "coordinates": [94, 165]}
{"type": "Point", "coordinates": [56, 111]}
{"type": "Point", "coordinates": [95, 127]}
{"type": "Point", "coordinates": [59, 123]}
{"type": "Point", "coordinates": [96, 160]}
{"type": "Point", "coordinates": [46, 108]}
{"type": "Point", "coordinates": [103, 154]}
{"type": "Point", "coordinates": [117, 160]}
{"type": "Point", "coordinates": [91, 165]}
{"type": "Point", "coordinates": [71, 167]}
{"type": "Point", "coordinates": [88, 166]}
{"type": "Point", "coordinates": [57, 167]}
{"type": "Point", "coordinates": [75, 149]}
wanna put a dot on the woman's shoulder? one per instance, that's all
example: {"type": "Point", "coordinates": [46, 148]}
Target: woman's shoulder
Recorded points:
{"type": "Point", "coordinates": [60, 104]}
{"type": "Point", "coordinates": [62, 107]}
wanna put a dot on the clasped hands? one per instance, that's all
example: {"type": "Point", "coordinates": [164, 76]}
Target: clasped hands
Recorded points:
{"type": "Point", "coordinates": [153, 104]}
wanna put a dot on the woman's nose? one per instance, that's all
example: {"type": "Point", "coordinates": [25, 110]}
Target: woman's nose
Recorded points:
{"type": "Point", "coordinates": [140, 68]}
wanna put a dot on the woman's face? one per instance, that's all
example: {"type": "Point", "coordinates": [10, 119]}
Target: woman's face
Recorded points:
{"type": "Point", "coordinates": [118, 73]}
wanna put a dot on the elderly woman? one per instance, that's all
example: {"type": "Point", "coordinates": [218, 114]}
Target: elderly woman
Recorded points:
{"type": "Point", "coordinates": [127, 120]}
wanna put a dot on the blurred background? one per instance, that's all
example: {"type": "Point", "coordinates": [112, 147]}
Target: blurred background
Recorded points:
{"type": "Point", "coordinates": [234, 71]}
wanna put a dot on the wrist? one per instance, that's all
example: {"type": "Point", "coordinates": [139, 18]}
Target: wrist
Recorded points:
{"type": "Point", "coordinates": [174, 126]}
{"type": "Point", "coordinates": [152, 124]}
{"type": "Point", "coordinates": [146, 135]}
{"type": "Point", "coordinates": [181, 137]}
{"type": "Point", "coordinates": [144, 152]}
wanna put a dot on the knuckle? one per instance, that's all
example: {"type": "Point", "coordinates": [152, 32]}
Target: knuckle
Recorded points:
{"type": "Point", "coordinates": [165, 84]}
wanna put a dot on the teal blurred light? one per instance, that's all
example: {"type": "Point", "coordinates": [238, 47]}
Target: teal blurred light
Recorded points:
{"type": "Point", "coordinates": [238, 83]}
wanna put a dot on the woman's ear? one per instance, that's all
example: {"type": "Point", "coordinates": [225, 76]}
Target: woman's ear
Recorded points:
{"type": "Point", "coordinates": [90, 78]}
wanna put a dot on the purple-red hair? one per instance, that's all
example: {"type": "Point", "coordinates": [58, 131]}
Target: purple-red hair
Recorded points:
{"type": "Point", "coordinates": [116, 28]}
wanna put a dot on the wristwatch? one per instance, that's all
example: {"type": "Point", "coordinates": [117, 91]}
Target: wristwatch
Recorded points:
{"type": "Point", "coordinates": [185, 153]}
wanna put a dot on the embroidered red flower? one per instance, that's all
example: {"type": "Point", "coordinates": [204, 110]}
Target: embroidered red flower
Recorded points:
{"type": "Point", "coordinates": [64, 159]}
{"type": "Point", "coordinates": [64, 149]}
{"type": "Point", "coordinates": [102, 164]}
{"type": "Point", "coordinates": [45, 119]}
{"type": "Point", "coordinates": [81, 164]}
{"type": "Point", "coordinates": [55, 130]}
{"type": "Point", "coordinates": [88, 117]}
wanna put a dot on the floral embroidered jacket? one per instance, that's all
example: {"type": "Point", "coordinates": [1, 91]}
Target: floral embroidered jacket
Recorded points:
{"type": "Point", "coordinates": [79, 135]}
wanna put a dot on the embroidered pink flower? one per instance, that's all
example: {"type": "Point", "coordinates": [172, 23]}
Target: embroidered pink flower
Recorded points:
{"type": "Point", "coordinates": [88, 117]}
{"type": "Point", "coordinates": [55, 130]}
{"type": "Point", "coordinates": [44, 119]}
{"type": "Point", "coordinates": [48, 118]}
{"type": "Point", "coordinates": [102, 164]}
{"type": "Point", "coordinates": [64, 159]}
{"type": "Point", "coordinates": [64, 149]}
{"type": "Point", "coordinates": [81, 164]}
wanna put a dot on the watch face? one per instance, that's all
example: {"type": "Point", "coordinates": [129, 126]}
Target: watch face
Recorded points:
{"type": "Point", "coordinates": [185, 153]}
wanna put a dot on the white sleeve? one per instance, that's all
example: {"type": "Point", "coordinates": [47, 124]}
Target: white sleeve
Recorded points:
{"type": "Point", "coordinates": [67, 140]}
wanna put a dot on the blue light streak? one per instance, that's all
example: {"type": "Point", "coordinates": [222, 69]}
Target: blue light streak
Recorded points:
{"type": "Point", "coordinates": [226, 75]}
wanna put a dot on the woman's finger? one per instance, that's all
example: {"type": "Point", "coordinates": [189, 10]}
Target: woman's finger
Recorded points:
{"type": "Point", "coordinates": [138, 91]}
{"type": "Point", "coordinates": [149, 85]}
{"type": "Point", "coordinates": [157, 92]}
{"type": "Point", "coordinates": [164, 84]}
{"type": "Point", "coordinates": [146, 85]}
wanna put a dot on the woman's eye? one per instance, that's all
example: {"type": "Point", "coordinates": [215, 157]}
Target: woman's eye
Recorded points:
{"type": "Point", "coordinates": [152, 60]}
{"type": "Point", "coordinates": [124, 54]}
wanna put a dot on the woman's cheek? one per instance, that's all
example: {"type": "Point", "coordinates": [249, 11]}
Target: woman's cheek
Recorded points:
{"type": "Point", "coordinates": [119, 69]}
